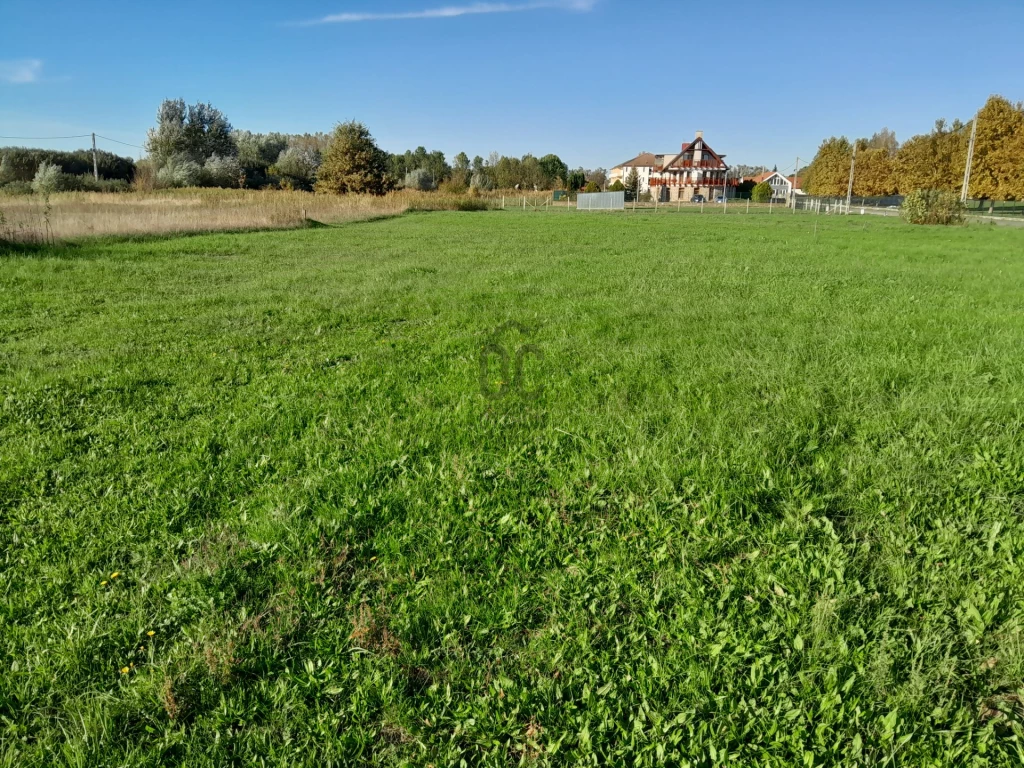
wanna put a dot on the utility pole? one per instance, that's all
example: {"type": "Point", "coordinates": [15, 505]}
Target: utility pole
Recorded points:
{"type": "Point", "coordinates": [95, 163]}
{"type": "Point", "coordinates": [792, 187]}
{"type": "Point", "coordinates": [970, 160]}
{"type": "Point", "coordinates": [849, 189]}
{"type": "Point", "coordinates": [725, 192]}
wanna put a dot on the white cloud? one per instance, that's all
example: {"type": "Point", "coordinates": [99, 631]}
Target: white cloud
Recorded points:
{"type": "Point", "coordinates": [453, 11]}
{"type": "Point", "coordinates": [20, 71]}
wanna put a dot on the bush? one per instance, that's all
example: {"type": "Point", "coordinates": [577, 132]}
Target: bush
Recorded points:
{"type": "Point", "coordinates": [48, 179]}
{"type": "Point", "coordinates": [591, 187]}
{"type": "Point", "coordinates": [419, 179]}
{"type": "Point", "coordinates": [481, 181]}
{"type": "Point", "coordinates": [932, 206]}
{"type": "Point", "coordinates": [297, 167]}
{"type": "Point", "coordinates": [472, 205]}
{"type": "Point", "coordinates": [761, 193]}
{"type": "Point", "coordinates": [617, 186]}
{"type": "Point", "coordinates": [452, 186]}
{"type": "Point", "coordinates": [179, 171]}
{"type": "Point", "coordinates": [16, 188]}
{"type": "Point", "coordinates": [221, 171]}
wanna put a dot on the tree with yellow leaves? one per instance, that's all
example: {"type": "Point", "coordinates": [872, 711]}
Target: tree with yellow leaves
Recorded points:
{"type": "Point", "coordinates": [997, 172]}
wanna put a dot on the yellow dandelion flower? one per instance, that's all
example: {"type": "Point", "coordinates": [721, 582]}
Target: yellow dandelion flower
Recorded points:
{"type": "Point", "coordinates": [115, 574]}
{"type": "Point", "coordinates": [150, 633]}
{"type": "Point", "coordinates": [103, 583]}
{"type": "Point", "coordinates": [124, 670]}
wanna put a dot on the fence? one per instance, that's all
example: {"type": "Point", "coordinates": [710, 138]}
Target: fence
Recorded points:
{"type": "Point", "coordinates": [601, 201]}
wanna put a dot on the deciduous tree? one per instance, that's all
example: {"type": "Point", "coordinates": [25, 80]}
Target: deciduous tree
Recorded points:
{"type": "Point", "coordinates": [353, 163]}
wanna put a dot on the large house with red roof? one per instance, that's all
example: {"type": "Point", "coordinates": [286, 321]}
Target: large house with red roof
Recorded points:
{"type": "Point", "coordinates": [695, 170]}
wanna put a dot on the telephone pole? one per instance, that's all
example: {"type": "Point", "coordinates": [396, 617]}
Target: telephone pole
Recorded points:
{"type": "Point", "coordinates": [792, 188]}
{"type": "Point", "coordinates": [849, 189]}
{"type": "Point", "coordinates": [95, 163]}
{"type": "Point", "coordinates": [970, 160]}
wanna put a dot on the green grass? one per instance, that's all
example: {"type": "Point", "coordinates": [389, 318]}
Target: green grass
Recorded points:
{"type": "Point", "coordinates": [767, 508]}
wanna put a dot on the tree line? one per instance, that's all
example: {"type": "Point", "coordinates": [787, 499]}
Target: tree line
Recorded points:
{"type": "Point", "coordinates": [196, 145]}
{"type": "Point", "coordinates": [934, 160]}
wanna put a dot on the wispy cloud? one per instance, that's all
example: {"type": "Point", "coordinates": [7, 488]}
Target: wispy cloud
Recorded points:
{"type": "Point", "coordinates": [20, 71]}
{"type": "Point", "coordinates": [454, 11]}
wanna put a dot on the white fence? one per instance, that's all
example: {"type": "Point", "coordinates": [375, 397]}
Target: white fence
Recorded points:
{"type": "Point", "coordinates": [601, 201]}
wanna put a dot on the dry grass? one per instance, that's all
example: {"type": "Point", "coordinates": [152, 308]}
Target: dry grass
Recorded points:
{"type": "Point", "coordinates": [71, 215]}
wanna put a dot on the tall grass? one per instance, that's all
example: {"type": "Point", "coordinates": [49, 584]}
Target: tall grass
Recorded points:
{"type": "Point", "coordinates": [82, 214]}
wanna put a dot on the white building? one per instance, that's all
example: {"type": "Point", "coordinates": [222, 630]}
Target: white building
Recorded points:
{"type": "Point", "coordinates": [782, 186]}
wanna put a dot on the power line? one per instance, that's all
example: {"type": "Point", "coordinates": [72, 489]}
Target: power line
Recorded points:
{"type": "Point", "coordinates": [45, 138]}
{"type": "Point", "coordinates": [107, 138]}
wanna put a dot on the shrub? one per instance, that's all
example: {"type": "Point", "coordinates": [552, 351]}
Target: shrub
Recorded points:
{"type": "Point", "coordinates": [481, 181]}
{"type": "Point", "coordinates": [16, 188]}
{"type": "Point", "coordinates": [48, 179]}
{"type": "Point", "coordinates": [591, 187]}
{"type": "Point", "coordinates": [453, 186]}
{"type": "Point", "coordinates": [617, 186]}
{"type": "Point", "coordinates": [179, 171]}
{"type": "Point", "coordinates": [472, 205]}
{"type": "Point", "coordinates": [297, 167]}
{"type": "Point", "coordinates": [761, 193]}
{"type": "Point", "coordinates": [221, 171]}
{"type": "Point", "coordinates": [932, 206]}
{"type": "Point", "coordinates": [419, 179]}
{"type": "Point", "coordinates": [145, 179]}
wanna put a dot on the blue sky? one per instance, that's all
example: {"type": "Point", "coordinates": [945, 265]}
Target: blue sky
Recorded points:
{"type": "Point", "coordinates": [595, 81]}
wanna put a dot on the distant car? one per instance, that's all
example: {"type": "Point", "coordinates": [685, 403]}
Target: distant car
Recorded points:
{"type": "Point", "coordinates": [719, 199]}
{"type": "Point", "coordinates": [697, 199]}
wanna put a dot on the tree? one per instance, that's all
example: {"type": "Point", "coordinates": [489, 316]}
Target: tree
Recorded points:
{"type": "Point", "coordinates": [591, 187]}
{"type": "Point", "coordinates": [462, 171]}
{"type": "Point", "coordinates": [599, 176]}
{"type": "Point", "coordinates": [617, 186]}
{"type": "Point", "coordinates": [49, 178]}
{"type": "Point", "coordinates": [553, 168]}
{"type": "Point", "coordinates": [932, 161]}
{"type": "Point", "coordinates": [353, 163]}
{"type": "Point", "coordinates": [7, 174]}
{"type": "Point", "coordinates": [633, 182]}
{"type": "Point", "coordinates": [576, 179]}
{"type": "Point", "coordinates": [478, 164]}
{"type": "Point", "coordinates": [761, 193]}
{"type": "Point", "coordinates": [195, 132]}
{"type": "Point", "coordinates": [997, 171]}
{"type": "Point", "coordinates": [884, 139]}
{"type": "Point", "coordinates": [829, 172]}
{"type": "Point", "coordinates": [874, 175]}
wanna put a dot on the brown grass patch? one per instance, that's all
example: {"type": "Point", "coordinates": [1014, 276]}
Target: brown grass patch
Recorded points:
{"type": "Point", "coordinates": [370, 631]}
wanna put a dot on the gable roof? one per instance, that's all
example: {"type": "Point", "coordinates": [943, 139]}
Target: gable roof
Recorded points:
{"type": "Point", "coordinates": [703, 146]}
{"type": "Point", "coordinates": [795, 181]}
{"type": "Point", "coordinates": [643, 160]}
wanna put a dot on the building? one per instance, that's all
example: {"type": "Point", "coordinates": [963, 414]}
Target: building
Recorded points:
{"type": "Point", "coordinates": [782, 186]}
{"type": "Point", "coordinates": [695, 169]}
{"type": "Point", "coordinates": [644, 163]}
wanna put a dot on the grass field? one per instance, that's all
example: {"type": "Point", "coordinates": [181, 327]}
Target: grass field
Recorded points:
{"type": "Point", "coordinates": [756, 498]}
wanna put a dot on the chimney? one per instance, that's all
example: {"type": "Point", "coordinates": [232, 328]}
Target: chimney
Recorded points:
{"type": "Point", "coordinates": [700, 134]}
